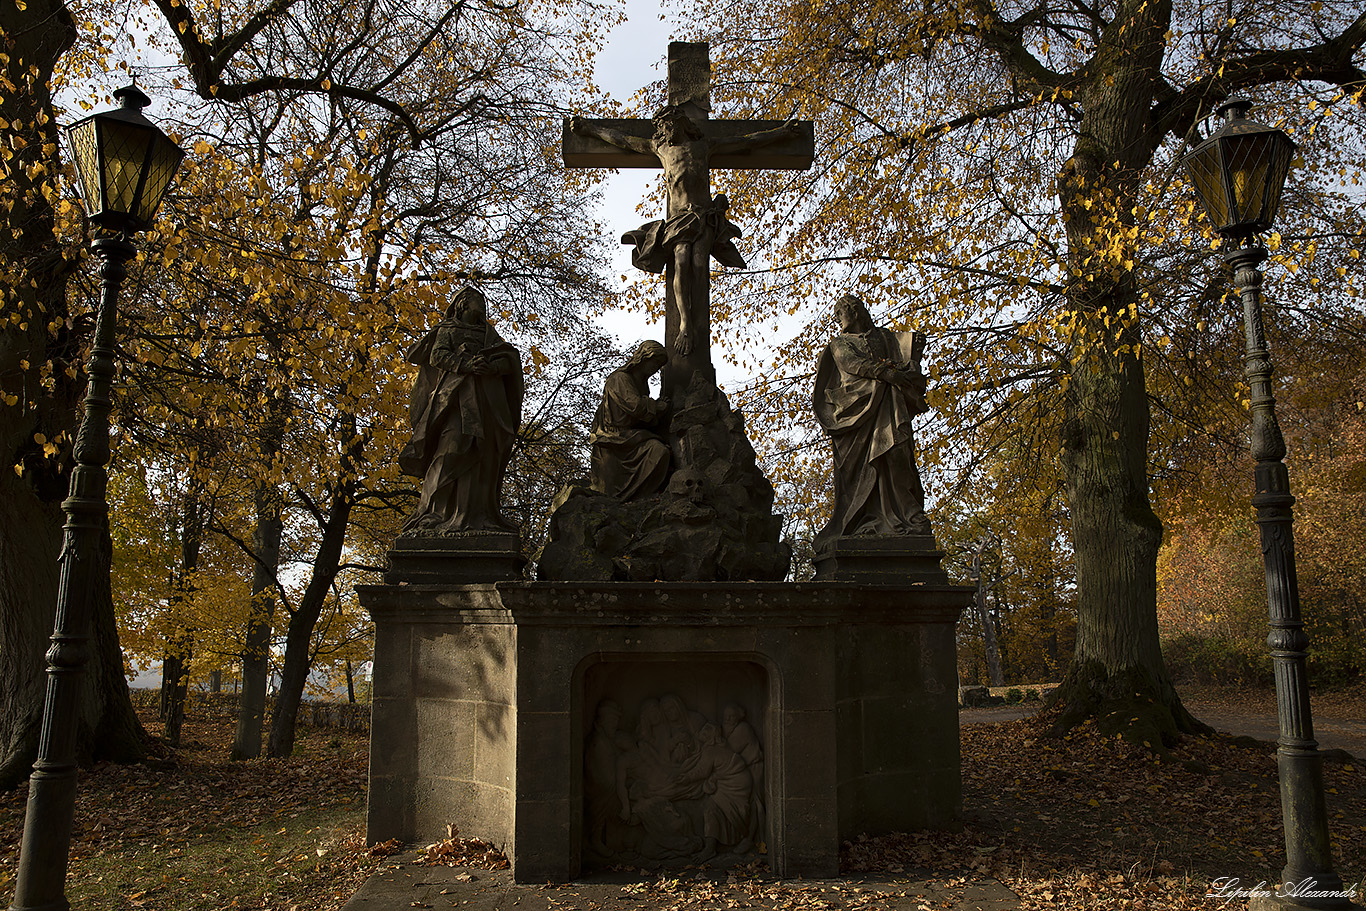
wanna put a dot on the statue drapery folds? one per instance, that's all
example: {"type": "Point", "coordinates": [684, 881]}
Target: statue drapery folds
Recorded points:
{"type": "Point", "coordinates": [869, 388]}
{"type": "Point", "coordinates": [465, 413]}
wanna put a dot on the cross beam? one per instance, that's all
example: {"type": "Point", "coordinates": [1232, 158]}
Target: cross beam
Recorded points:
{"type": "Point", "coordinates": [687, 164]}
{"type": "Point", "coordinates": [795, 154]}
{"type": "Point", "coordinates": [690, 87]}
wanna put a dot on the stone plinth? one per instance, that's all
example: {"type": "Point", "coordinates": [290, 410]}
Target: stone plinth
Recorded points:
{"type": "Point", "coordinates": [489, 706]}
{"type": "Point", "coordinates": [463, 558]}
{"type": "Point", "coordinates": [882, 559]}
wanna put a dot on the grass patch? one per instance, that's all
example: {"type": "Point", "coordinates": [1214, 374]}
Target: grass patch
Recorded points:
{"type": "Point", "coordinates": [291, 862]}
{"type": "Point", "coordinates": [196, 831]}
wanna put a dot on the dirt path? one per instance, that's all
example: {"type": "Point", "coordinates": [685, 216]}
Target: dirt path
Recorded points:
{"type": "Point", "coordinates": [1339, 717]}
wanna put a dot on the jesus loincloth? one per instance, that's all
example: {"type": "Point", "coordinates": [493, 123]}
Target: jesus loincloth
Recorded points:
{"type": "Point", "coordinates": [654, 241]}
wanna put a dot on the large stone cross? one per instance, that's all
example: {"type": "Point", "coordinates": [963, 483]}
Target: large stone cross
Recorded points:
{"type": "Point", "coordinates": [687, 161]}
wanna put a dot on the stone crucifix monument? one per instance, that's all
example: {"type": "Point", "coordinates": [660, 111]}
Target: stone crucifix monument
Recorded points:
{"type": "Point", "coordinates": [703, 512]}
{"type": "Point", "coordinates": [660, 697]}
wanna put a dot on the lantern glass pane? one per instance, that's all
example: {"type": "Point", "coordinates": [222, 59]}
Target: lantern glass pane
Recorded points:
{"type": "Point", "coordinates": [1206, 175]}
{"type": "Point", "coordinates": [1248, 166]}
{"type": "Point", "coordinates": [1282, 153]}
{"type": "Point", "coordinates": [125, 152]}
{"type": "Point", "coordinates": [86, 153]}
{"type": "Point", "coordinates": [164, 160]}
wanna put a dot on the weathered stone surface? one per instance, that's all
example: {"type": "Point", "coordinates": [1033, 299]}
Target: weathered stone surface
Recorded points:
{"type": "Point", "coordinates": [456, 558]}
{"type": "Point", "coordinates": [436, 744]}
{"type": "Point", "coordinates": [869, 388]}
{"type": "Point", "coordinates": [630, 457]}
{"type": "Point", "coordinates": [686, 144]}
{"type": "Point", "coordinates": [850, 691]}
{"type": "Point", "coordinates": [714, 522]}
{"type": "Point", "coordinates": [973, 696]}
{"type": "Point", "coordinates": [466, 410]}
{"type": "Point", "coordinates": [894, 559]}
{"type": "Point", "coordinates": [670, 778]}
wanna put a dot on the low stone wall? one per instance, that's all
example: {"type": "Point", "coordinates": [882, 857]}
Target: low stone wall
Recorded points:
{"type": "Point", "coordinates": [978, 696]}
{"type": "Point", "coordinates": [345, 716]}
{"type": "Point", "coordinates": [342, 716]}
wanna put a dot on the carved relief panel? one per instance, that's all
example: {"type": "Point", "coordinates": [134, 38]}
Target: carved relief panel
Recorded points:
{"type": "Point", "coordinates": [673, 763]}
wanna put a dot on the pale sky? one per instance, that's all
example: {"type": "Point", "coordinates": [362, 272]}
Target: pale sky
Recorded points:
{"type": "Point", "coordinates": [633, 57]}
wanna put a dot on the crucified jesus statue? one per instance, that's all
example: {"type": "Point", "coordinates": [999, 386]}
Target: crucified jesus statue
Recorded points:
{"type": "Point", "coordinates": [695, 226]}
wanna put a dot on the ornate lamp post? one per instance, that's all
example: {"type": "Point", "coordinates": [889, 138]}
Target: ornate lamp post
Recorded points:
{"type": "Point", "coordinates": [1238, 175]}
{"type": "Point", "coordinates": [125, 165]}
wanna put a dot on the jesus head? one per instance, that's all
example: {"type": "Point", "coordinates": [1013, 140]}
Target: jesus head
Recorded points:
{"type": "Point", "coordinates": [674, 126]}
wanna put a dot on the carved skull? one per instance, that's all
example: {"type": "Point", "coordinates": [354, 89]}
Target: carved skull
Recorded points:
{"type": "Point", "coordinates": [688, 484]}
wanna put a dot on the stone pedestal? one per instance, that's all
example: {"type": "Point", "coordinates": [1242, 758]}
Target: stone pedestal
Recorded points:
{"type": "Point", "coordinates": [496, 707]}
{"type": "Point", "coordinates": [464, 558]}
{"type": "Point", "coordinates": [878, 559]}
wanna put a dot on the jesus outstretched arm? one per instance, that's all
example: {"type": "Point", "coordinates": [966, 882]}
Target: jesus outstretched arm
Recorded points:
{"type": "Point", "coordinates": [757, 140]}
{"type": "Point", "coordinates": [613, 137]}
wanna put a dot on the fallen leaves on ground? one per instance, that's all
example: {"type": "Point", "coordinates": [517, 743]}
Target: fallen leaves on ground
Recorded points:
{"type": "Point", "coordinates": [168, 806]}
{"type": "Point", "coordinates": [454, 851]}
{"type": "Point", "coordinates": [1093, 822]}
{"type": "Point", "coordinates": [1082, 822]}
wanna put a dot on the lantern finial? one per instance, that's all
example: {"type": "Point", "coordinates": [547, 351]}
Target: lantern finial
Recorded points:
{"type": "Point", "coordinates": [132, 98]}
{"type": "Point", "coordinates": [1235, 107]}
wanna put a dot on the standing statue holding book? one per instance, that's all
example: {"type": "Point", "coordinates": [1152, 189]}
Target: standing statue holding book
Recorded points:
{"type": "Point", "coordinates": [869, 387]}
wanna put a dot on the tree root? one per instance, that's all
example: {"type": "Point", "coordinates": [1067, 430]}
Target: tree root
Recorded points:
{"type": "Point", "coordinates": [1129, 703]}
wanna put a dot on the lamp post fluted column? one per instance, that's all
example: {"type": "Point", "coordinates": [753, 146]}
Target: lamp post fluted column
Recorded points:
{"type": "Point", "coordinates": [1309, 860]}
{"type": "Point", "coordinates": [52, 787]}
{"type": "Point", "coordinates": [1238, 174]}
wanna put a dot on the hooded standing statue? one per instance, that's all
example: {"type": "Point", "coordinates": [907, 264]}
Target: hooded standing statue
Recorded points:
{"type": "Point", "coordinates": [869, 387]}
{"type": "Point", "coordinates": [465, 412]}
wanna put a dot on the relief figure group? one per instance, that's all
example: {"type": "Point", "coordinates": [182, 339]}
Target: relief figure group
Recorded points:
{"type": "Point", "coordinates": [675, 787]}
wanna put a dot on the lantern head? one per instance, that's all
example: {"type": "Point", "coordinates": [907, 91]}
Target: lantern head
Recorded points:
{"type": "Point", "coordinates": [124, 162]}
{"type": "Point", "coordinates": [1238, 173]}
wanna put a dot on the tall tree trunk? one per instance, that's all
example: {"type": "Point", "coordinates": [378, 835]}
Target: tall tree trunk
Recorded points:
{"type": "Point", "coordinates": [265, 545]}
{"type": "Point", "coordinates": [175, 684]}
{"type": "Point", "coordinates": [993, 652]}
{"type": "Point", "coordinates": [35, 330]}
{"type": "Point", "coordinates": [1117, 673]}
{"type": "Point", "coordinates": [350, 684]}
{"type": "Point", "coordinates": [251, 709]}
{"type": "Point", "coordinates": [175, 676]}
{"type": "Point", "coordinates": [30, 538]}
{"type": "Point", "coordinates": [298, 656]}
{"type": "Point", "coordinates": [111, 730]}
{"type": "Point", "coordinates": [1048, 602]}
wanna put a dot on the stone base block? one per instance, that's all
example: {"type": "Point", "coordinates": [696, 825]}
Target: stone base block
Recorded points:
{"type": "Point", "coordinates": [586, 725]}
{"type": "Point", "coordinates": [463, 559]}
{"type": "Point", "coordinates": [893, 560]}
